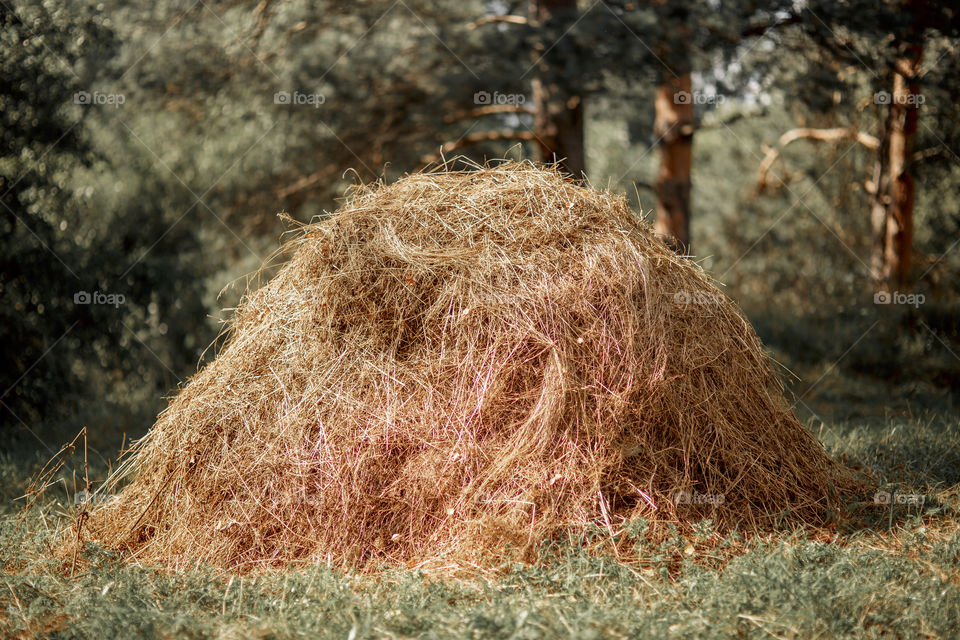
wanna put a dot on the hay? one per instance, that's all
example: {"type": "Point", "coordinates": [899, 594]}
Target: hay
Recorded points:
{"type": "Point", "coordinates": [464, 364]}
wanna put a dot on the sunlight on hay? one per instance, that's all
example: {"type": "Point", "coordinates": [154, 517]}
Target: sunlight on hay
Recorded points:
{"type": "Point", "coordinates": [464, 364]}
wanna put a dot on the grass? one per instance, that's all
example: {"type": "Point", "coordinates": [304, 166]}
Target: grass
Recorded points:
{"type": "Point", "coordinates": [904, 584]}
{"type": "Point", "coordinates": [889, 570]}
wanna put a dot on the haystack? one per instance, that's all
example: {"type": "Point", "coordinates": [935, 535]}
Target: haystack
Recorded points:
{"type": "Point", "coordinates": [463, 365]}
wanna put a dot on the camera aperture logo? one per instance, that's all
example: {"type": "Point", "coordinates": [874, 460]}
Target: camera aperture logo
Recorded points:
{"type": "Point", "coordinates": [698, 97]}
{"type": "Point", "coordinates": [694, 497]}
{"type": "Point", "coordinates": [895, 297]}
{"type": "Point", "coordinates": [697, 297]}
{"type": "Point", "coordinates": [485, 98]}
{"type": "Point", "coordinates": [99, 99]}
{"type": "Point", "coordinates": [98, 297]}
{"type": "Point", "coordinates": [886, 497]}
{"type": "Point", "coordinates": [92, 497]}
{"type": "Point", "coordinates": [903, 99]}
{"type": "Point", "coordinates": [299, 98]}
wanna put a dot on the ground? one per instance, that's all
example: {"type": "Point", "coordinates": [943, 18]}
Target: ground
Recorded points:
{"type": "Point", "coordinates": [890, 569]}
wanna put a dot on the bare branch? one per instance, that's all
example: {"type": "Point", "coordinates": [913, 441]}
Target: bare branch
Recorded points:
{"type": "Point", "coordinates": [493, 19]}
{"type": "Point", "coordinates": [262, 14]}
{"type": "Point", "coordinates": [486, 111]}
{"type": "Point", "coordinates": [729, 120]}
{"type": "Point", "coordinates": [931, 152]}
{"type": "Point", "coordinates": [305, 182]}
{"type": "Point", "coordinates": [820, 135]}
{"type": "Point", "coordinates": [475, 138]}
{"type": "Point", "coordinates": [762, 29]}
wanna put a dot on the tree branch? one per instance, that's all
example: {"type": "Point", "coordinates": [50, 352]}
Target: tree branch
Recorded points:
{"type": "Point", "coordinates": [726, 122]}
{"type": "Point", "coordinates": [760, 29]}
{"type": "Point", "coordinates": [475, 138]}
{"type": "Point", "coordinates": [486, 111]}
{"type": "Point", "coordinates": [820, 135]}
{"type": "Point", "coordinates": [931, 152]}
{"type": "Point", "coordinates": [492, 19]}
{"type": "Point", "coordinates": [261, 13]}
{"type": "Point", "coordinates": [305, 182]}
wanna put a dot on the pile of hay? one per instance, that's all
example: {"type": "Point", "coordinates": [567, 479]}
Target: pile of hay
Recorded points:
{"type": "Point", "coordinates": [460, 364]}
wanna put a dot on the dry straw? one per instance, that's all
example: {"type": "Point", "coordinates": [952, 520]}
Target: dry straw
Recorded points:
{"type": "Point", "coordinates": [462, 365]}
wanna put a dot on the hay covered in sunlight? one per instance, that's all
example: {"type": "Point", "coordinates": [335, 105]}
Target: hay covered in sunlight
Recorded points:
{"type": "Point", "coordinates": [462, 365]}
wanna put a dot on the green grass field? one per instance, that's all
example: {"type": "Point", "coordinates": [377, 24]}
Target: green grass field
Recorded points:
{"type": "Point", "coordinates": [886, 571]}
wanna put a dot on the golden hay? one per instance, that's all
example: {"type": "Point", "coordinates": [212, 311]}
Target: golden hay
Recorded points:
{"type": "Point", "coordinates": [459, 361]}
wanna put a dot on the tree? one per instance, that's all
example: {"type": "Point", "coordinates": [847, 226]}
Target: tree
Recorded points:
{"type": "Point", "coordinates": [84, 338]}
{"type": "Point", "coordinates": [674, 127]}
{"type": "Point", "coordinates": [558, 107]}
{"type": "Point", "coordinates": [674, 39]}
{"type": "Point", "coordinates": [893, 230]}
{"type": "Point", "coordinates": [889, 38]}
{"type": "Point", "coordinates": [40, 258]}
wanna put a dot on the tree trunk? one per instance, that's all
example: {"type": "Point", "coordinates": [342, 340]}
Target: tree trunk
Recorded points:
{"type": "Point", "coordinates": [880, 208]}
{"type": "Point", "coordinates": [673, 127]}
{"type": "Point", "coordinates": [558, 112]}
{"type": "Point", "coordinates": [903, 120]}
{"type": "Point", "coordinates": [892, 215]}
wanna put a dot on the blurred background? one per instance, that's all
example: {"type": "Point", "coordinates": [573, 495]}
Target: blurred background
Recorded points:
{"type": "Point", "coordinates": [805, 153]}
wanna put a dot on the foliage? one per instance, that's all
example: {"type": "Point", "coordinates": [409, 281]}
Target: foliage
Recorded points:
{"type": "Point", "coordinates": [172, 195]}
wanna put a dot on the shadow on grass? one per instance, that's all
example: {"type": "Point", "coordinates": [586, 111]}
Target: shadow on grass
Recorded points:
{"type": "Point", "coordinates": [914, 463]}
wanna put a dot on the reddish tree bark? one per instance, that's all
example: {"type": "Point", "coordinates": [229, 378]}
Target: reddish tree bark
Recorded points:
{"type": "Point", "coordinates": [903, 120]}
{"type": "Point", "coordinates": [892, 216]}
{"type": "Point", "coordinates": [673, 127]}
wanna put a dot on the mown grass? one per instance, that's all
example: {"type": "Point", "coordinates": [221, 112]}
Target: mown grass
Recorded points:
{"type": "Point", "coordinates": [884, 571]}
{"type": "Point", "coordinates": [796, 587]}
